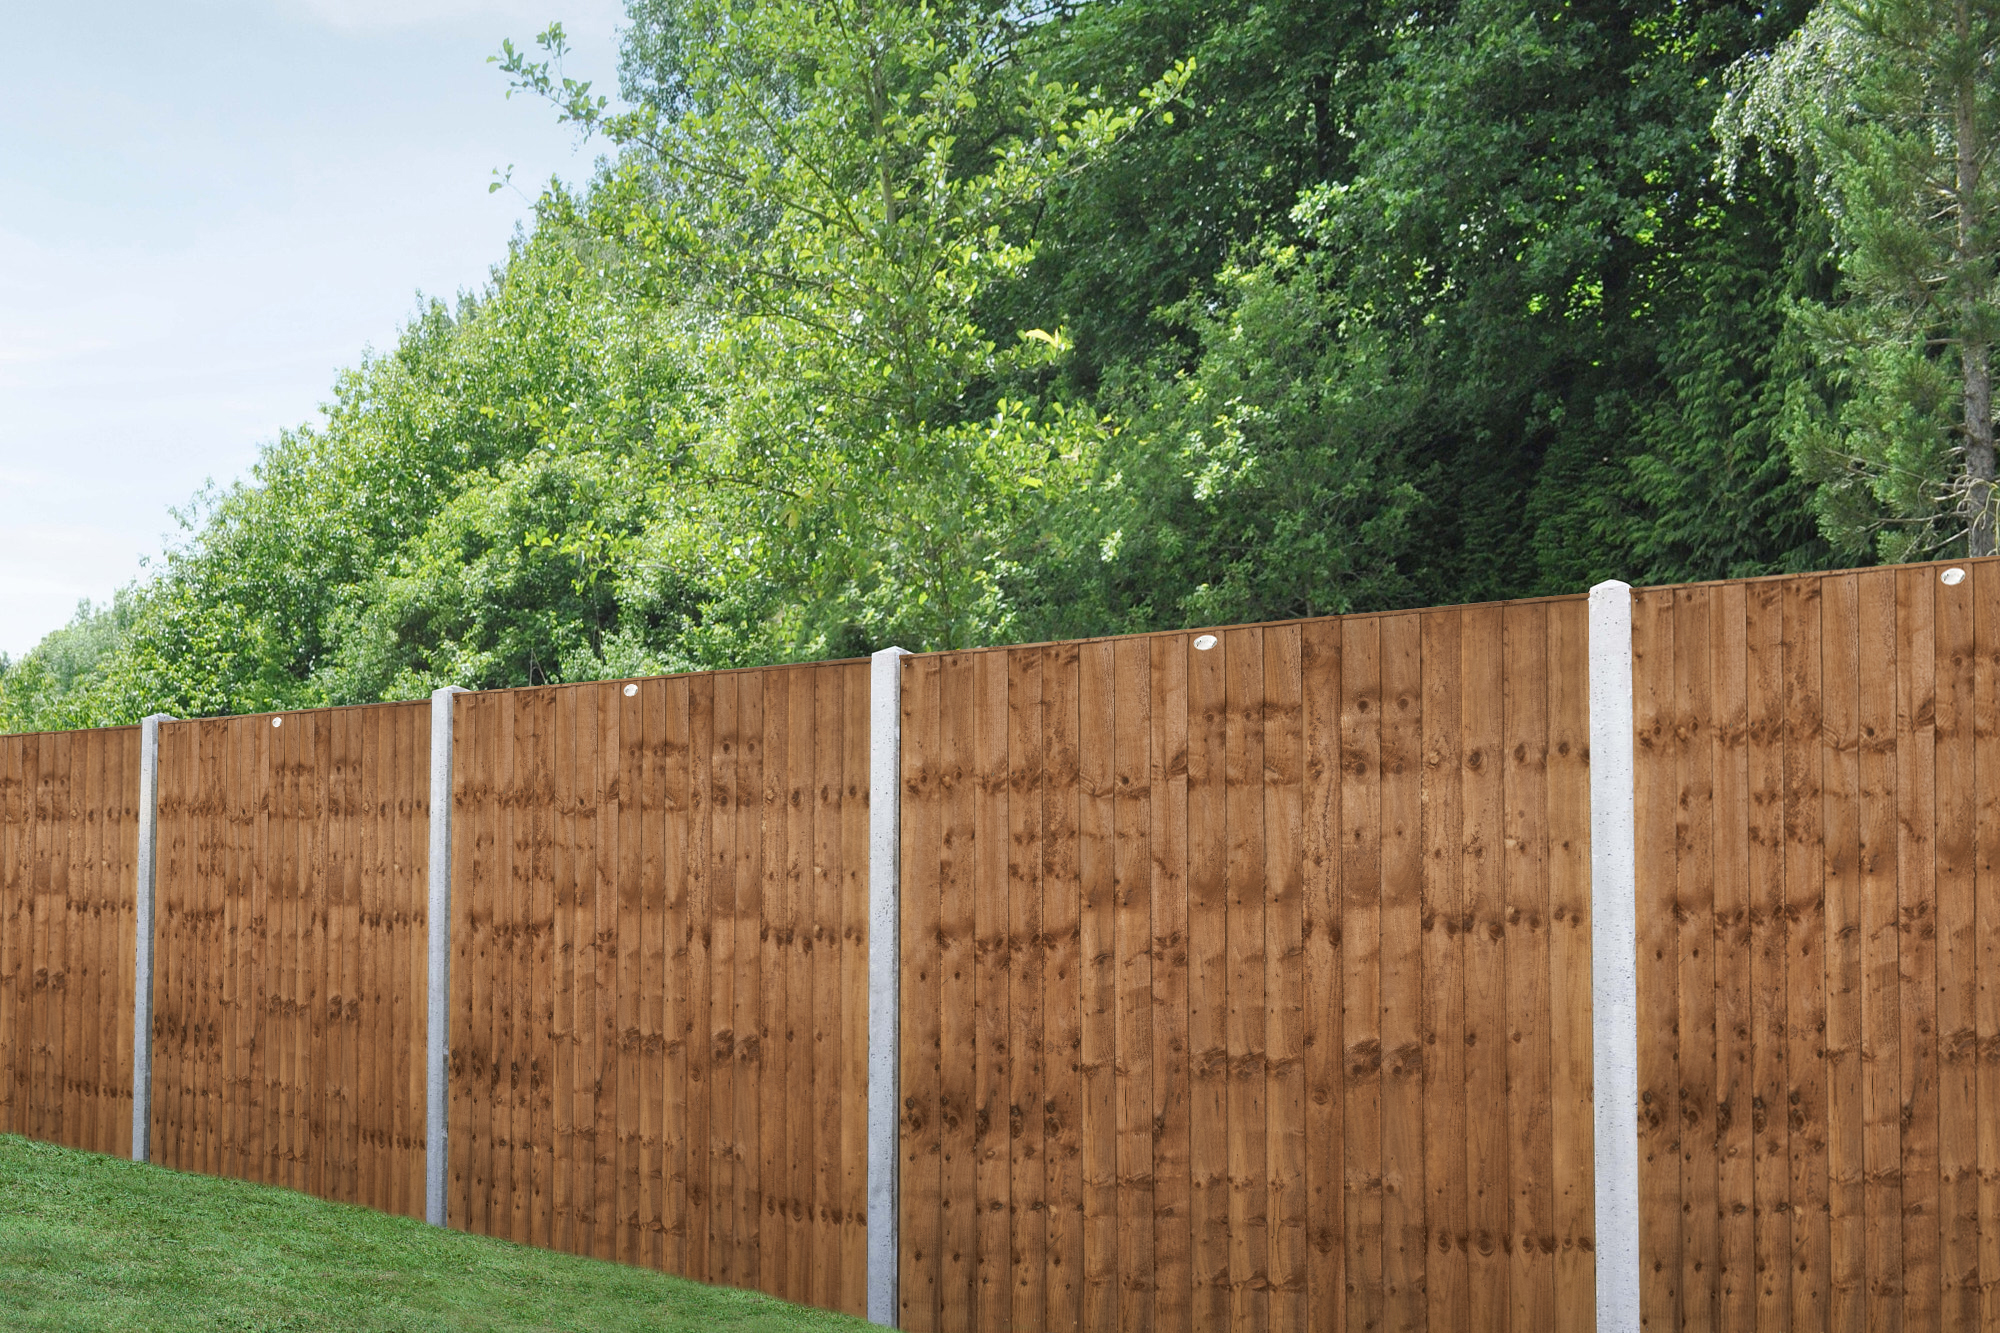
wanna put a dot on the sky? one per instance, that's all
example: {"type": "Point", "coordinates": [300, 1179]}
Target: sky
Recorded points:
{"type": "Point", "coordinates": [207, 209]}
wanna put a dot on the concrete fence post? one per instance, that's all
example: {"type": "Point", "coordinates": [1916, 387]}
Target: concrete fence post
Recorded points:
{"type": "Point", "coordinates": [437, 1033]}
{"type": "Point", "coordinates": [885, 785]}
{"type": "Point", "coordinates": [142, 963]}
{"type": "Point", "coordinates": [1614, 959]}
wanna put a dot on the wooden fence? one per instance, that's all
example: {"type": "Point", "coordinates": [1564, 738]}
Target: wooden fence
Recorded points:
{"type": "Point", "coordinates": [1819, 825]}
{"type": "Point", "coordinates": [659, 975]}
{"type": "Point", "coordinates": [1246, 977]}
{"type": "Point", "coordinates": [68, 836]}
{"type": "Point", "coordinates": [1247, 985]}
{"type": "Point", "coordinates": [288, 993]}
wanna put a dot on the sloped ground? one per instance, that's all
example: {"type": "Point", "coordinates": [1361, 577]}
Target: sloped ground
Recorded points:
{"type": "Point", "coordinates": [95, 1243]}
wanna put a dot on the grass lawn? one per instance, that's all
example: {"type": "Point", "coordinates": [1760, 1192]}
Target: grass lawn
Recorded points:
{"type": "Point", "coordinates": [96, 1243]}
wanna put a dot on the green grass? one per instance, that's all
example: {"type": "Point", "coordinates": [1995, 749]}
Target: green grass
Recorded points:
{"type": "Point", "coordinates": [89, 1242]}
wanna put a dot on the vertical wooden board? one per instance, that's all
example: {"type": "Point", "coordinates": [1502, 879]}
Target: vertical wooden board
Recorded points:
{"type": "Point", "coordinates": [1483, 879]}
{"type": "Point", "coordinates": [1571, 1123]}
{"type": "Point", "coordinates": [114, 872]}
{"type": "Point", "coordinates": [1284, 983]}
{"type": "Point", "coordinates": [822, 1189]}
{"type": "Point", "coordinates": [216, 771]}
{"type": "Point", "coordinates": [695, 710]}
{"type": "Point", "coordinates": [1448, 1295]}
{"type": "Point", "coordinates": [922, 830]}
{"type": "Point", "coordinates": [364, 1032]}
{"type": "Point", "coordinates": [504, 1072]}
{"type": "Point", "coordinates": [12, 823]}
{"type": "Point", "coordinates": [89, 1074]}
{"type": "Point", "coordinates": [376, 758]}
{"type": "Point", "coordinates": [257, 993]}
{"type": "Point", "coordinates": [1132, 955]}
{"type": "Point", "coordinates": [512, 864]}
{"type": "Point", "coordinates": [854, 985]}
{"type": "Point", "coordinates": [201, 954]}
{"type": "Point", "coordinates": [128, 928]}
{"type": "Point", "coordinates": [467, 802]}
{"type": "Point", "coordinates": [1027, 1225]}
{"type": "Point", "coordinates": [1320, 941]}
{"type": "Point", "coordinates": [634, 1002]}
{"type": "Point", "coordinates": [415, 1031]}
{"type": "Point", "coordinates": [1764, 834]}
{"type": "Point", "coordinates": [589, 1039]}
{"type": "Point", "coordinates": [165, 1090]}
{"type": "Point", "coordinates": [775, 1273]}
{"type": "Point", "coordinates": [957, 888]}
{"type": "Point", "coordinates": [1840, 740]}
{"type": "Point", "coordinates": [1243, 803]}
{"type": "Point", "coordinates": [1881, 1028]}
{"type": "Point", "coordinates": [610, 1234]}
{"type": "Point", "coordinates": [1728, 666]}
{"type": "Point", "coordinates": [1097, 945]}
{"type": "Point", "coordinates": [718, 769]}
{"type": "Point", "coordinates": [123, 841]}
{"type": "Point", "coordinates": [1062, 989]}
{"type": "Point", "coordinates": [311, 1029]}
{"type": "Point", "coordinates": [488, 883]}
{"type": "Point", "coordinates": [1208, 986]}
{"type": "Point", "coordinates": [288, 827]}
{"type": "Point", "coordinates": [1167, 780]}
{"type": "Point", "coordinates": [773, 1120]}
{"type": "Point", "coordinates": [649, 790]}
{"type": "Point", "coordinates": [1695, 900]}
{"type": "Point", "coordinates": [750, 975]}
{"type": "Point", "coordinates": [344, 1052]}
{"type": "Point", "coordinates": [1805, 977]}
{"type": "Point", "coordinates": [533, 838]}
{"type": "Point", "coordinates": [1524, 738]}
{"type": "Point", "coordinates": [1957, 961]}
{"type": "Point", "coordinates": [1400, 969]}
{"type": "Point", "coordinates": [1361, 971]}
{"type": "Point", "coordinates": [992, 1306]}
{"type": "Point", "coordinates": [668, 745]}
{"type": "Point", "coordinates": [801, 1134]}
{"type": "Point", "coordinates": [563, 951]}
{"type": "Point", "coordinates": [407, 905]}
{"type": "Point", "coordinates": [1985, 582]}
{"type": "Point", "coordinates": [65, 1037]}
{"type": "Point", "coordinates": [1654, 783]}
{"type": "Point", "coordinates": [1915, 1005]}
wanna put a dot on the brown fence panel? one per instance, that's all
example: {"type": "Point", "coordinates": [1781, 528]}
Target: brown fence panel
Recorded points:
{"type": "Point", "coordinates": [68, 839]}
{"type": "Point", "coordinates": [289, 962]}
{"type": "Point", "coordinates": [1815, 832]}
{"type": "Point", "coordinates": [1248, 987]}
{"type": "Point", "coordinates": [659, 974]}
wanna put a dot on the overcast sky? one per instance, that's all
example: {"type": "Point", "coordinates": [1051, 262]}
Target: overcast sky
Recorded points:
{"type": "Point", "coordinates": [207, 208]}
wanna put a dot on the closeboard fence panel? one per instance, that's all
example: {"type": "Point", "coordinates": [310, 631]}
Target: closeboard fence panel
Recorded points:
{"type": "Point", "coordinates": [289, 963]}
{"type": "Point", "coordinates": [659, 974]}
{"type": "Point", "coordinates": [1817, 829]}
{"type": "Point", "coordinates": [68, 840]}
{"type": "Point", "coordinates": [1248, 986]}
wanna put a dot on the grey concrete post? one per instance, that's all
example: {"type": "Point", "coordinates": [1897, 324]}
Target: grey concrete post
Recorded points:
{"type": "Point", "coordinates": [437, 1035]}
{"type": "Point", "coordinates": [885, 923]}
{"type": "Point", "coordinates": [142, 974]}
{"type": "Point", "coordinates": [1614, 958]}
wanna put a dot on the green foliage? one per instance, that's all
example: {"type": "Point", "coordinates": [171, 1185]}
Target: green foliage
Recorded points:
{"type": "Point", "coordinates": [832, 187]}
{"type": "Point", "coordinates": [952, 323]}
{"type": "Point", "coordinates": [1891, 111]}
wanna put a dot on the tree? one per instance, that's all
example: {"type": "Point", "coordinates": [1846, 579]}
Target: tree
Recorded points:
{"type": "Point", "coordinates": [1891, 110]}
{"type": "Point", "coordinates": [828, 189]}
